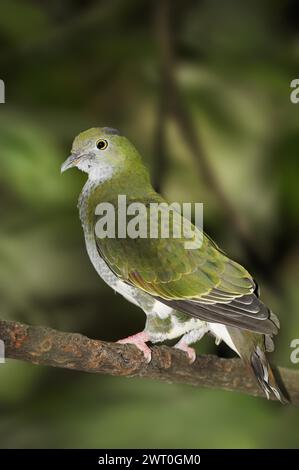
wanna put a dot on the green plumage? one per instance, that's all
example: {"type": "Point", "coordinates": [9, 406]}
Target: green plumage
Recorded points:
{"type": "Point", "coordinates": [183, 291]}
{"type": "Point", "coordinates": [166, 268]}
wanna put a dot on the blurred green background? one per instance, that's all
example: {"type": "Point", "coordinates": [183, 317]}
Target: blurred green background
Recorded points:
{"type": "Point", "coordinates": [77, 64]}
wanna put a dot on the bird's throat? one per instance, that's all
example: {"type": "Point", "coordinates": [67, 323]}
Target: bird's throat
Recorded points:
{"type": "Point", "coordinates": [96, 191]}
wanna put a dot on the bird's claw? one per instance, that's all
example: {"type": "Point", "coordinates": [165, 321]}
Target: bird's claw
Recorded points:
{"type": "Point", "coordinates": [140, 342]}
{"type": "Point", "coordinates": [189, 351]}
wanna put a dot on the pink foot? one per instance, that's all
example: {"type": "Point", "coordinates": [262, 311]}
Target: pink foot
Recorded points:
{"type": "Point", "coordinates": [139, 340]}
{"type": "Point", "coordinates": [190, 351]}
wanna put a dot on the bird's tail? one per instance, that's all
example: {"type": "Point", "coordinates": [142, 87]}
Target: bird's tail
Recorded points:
{"type": "Point", "coordinates": [265, 376]}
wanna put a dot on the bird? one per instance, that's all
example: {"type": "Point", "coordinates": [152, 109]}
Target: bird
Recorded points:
{"type": "Point", "coordinates": [185, 293]}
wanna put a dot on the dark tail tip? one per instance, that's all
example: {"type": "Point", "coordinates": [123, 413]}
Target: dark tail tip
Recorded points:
{"type": "Point", "coordinates": [265, 376]}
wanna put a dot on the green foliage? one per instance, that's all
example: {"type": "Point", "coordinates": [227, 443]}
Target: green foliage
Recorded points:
{"type": "Point", "coordinates": [72, 65]}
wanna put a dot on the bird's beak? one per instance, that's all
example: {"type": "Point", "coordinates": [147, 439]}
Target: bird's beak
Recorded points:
{"type": "Point", "coordinates": [70, 162]}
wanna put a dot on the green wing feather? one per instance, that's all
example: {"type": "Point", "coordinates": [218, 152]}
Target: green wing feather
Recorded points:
{"type": "Point", "coordinates": [202, 282]}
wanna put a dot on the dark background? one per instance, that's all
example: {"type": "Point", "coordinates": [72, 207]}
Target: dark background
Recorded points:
{"type": "Point", "coordinates": [203, 90]}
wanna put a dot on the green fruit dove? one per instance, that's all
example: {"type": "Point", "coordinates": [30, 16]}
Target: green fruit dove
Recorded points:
{"type": "Point", "coordinates": [185, 293]}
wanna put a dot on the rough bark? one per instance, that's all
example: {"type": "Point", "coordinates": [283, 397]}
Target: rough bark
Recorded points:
{"type": "Point", "coordinates": [46, 346]}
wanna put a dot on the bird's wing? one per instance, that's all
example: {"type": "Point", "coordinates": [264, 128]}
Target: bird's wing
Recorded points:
{"type": "Point", "coordinates": [201, 282]}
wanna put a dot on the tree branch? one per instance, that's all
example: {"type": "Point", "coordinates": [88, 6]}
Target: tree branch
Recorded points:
{"type": "Point", "coordinates": [45, 346]}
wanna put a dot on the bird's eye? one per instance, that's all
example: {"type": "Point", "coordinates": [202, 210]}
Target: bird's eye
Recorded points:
{"type": "Point", "coordinates": [102, 144]}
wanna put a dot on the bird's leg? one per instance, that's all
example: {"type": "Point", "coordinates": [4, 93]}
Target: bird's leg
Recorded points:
{"type": "Point", "coordinates": [183, 346]}
{"type": "Point", "coordinates": [139, 339]}
{"type": "Point", "coordinates": [191, 337]}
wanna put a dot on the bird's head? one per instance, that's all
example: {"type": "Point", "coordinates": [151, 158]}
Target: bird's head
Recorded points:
{"type": "Point", "coordinates": [101, 152]}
